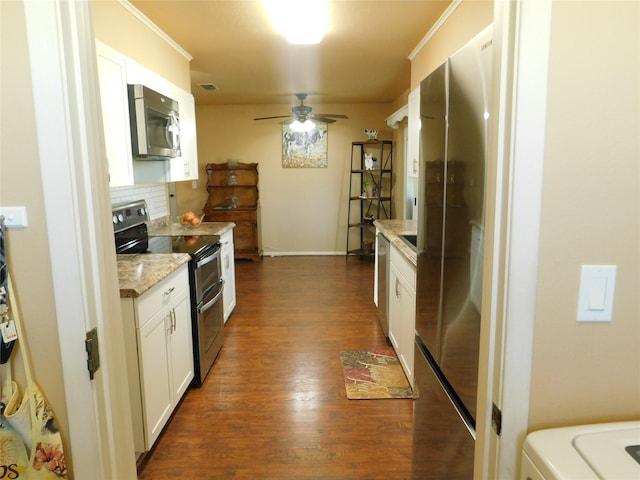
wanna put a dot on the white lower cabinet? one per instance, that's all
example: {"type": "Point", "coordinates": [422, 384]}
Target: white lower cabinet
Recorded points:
{"type": "Point", "coordinates": [228, 274]}
{"type": "Point", "coordinates": [402, 310]}
{"type": "Point", "coordinates": [181, 346]}
{"type": "Point", "coordinates": [154, 377]}
{"type": "Point", "coordinates": [159, 351]}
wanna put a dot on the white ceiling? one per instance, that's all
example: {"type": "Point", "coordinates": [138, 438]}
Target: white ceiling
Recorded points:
{"type": "Point", "coordinates": [362, 59]}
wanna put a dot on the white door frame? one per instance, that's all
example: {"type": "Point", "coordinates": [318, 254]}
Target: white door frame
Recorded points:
{"type": "Point", "coordinates": [80, 236]}
{"type": "Point", "coordinates": [521, 57]}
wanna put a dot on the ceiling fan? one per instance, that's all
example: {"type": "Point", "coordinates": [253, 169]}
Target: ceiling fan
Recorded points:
{"type": "Point", "coordinates": [302, 113]}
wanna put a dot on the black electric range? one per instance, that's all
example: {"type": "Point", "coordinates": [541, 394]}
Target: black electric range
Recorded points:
{"type": "Point", "coordinates": [194, 245]}
{"type": "Point", "coordinates": [205, 276]}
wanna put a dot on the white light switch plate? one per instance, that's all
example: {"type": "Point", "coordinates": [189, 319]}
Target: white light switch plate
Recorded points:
{"type": "Point", "coordinates": [14, 216]}
{"type": "Point", "coordinates": [597, 286]}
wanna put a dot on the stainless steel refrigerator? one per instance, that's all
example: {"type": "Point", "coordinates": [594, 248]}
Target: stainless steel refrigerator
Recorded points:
{"type": "Point", "coordinates": [454, 112]}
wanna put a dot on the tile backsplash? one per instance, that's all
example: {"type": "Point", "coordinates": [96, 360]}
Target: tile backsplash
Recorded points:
{"type": "Point", "coordinates": [156, 195]}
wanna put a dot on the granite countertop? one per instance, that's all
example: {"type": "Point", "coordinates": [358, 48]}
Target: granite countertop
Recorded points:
{"type": "Point", "coordinates": [393, 228]}
{"type": "Point", "coordinates": [137, 273]}
{"type": "Point", "coordinates": [164, 228]}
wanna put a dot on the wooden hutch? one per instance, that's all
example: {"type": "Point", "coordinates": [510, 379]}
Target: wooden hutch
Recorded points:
{"type": "Point", "coordinates": [233, 197]}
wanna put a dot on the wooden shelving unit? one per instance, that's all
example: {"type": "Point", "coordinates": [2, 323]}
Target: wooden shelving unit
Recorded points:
{"type": "Point", "coordinates": [370, 193]}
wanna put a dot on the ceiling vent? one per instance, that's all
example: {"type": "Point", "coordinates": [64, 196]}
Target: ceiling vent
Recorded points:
{"type": "Point", "coordinates": [208, 86]}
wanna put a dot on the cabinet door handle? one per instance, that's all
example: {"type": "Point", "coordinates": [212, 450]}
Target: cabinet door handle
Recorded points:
{"type": "Point", "coordinates": [170, 326]}
{"type": "Point", "coordinates": [397, 288]}
{"type": "Point", "coordinates": [173, 320]}
{"type": "Point", "coordinates": [168, 292]}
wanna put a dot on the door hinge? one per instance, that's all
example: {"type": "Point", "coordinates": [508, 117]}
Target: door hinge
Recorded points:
{"type": "Point", "coordinates": [496, 419]}
{"type": "Point", "coordinates": [93, 354]}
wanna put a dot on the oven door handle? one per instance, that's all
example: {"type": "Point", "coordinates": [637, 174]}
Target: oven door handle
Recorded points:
{"type": "Point", "coordinates": [208, 258]}
{"type": "Point", "coordinates": [211, 302]}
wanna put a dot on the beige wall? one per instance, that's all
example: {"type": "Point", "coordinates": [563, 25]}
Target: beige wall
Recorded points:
{"type": "Point", "coordinates": [590, 215]}
{"type": "Point", "coordinates": [116, 26]}
{"type": "Point", "coordinates": [302, 210]}
{"type": "Point", "coordinates": [465, 22]}
{"type": "Point", "coordinates": [20, 185]}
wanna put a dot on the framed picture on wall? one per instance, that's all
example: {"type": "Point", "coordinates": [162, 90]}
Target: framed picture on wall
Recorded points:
{"type": "Point", "coordinates": [304, 149]}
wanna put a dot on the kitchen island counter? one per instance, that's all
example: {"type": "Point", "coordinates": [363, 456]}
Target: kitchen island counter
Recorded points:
{"type": "Point", "coordinates": [137, 273]}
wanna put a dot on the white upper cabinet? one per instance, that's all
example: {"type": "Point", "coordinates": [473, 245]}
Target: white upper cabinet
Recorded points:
{"type": "Point", "coordinates": [115, 71]}
{"type": "Point", "coordinates": [186, 166]}
{"type": "Point", "coordinates": [179, 168]}
{"type": "Point", "coordinates": [413, 143]}
{"type": "Point", "coordinates": [115, 115]}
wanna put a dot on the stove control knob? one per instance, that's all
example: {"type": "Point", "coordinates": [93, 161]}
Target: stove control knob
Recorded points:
{"type": "Point", "coordinates": [115, 220]}
{"type": "Point", "coordinates": [120, 217]}
{"type": "Point", "coordinates": [141, 212]}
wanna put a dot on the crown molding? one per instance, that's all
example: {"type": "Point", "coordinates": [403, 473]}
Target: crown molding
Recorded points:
{"type": "Point", "coordinates": [154, 28]}
{"type": "Point", "coordinates": [436, 26]}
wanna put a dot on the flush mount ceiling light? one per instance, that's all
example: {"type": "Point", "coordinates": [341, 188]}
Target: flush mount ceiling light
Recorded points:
{"type": "Point", "coordinates": [302, 22]}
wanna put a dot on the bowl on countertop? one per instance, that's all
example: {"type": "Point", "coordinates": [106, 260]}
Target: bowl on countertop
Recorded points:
{"type": "Point", "coordinates": [195, 223]}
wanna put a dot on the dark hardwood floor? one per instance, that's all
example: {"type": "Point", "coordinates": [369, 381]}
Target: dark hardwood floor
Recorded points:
{"type": "Point", "coordinates": [274, 404]}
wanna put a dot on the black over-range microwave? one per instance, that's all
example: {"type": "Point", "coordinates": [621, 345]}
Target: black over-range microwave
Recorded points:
{"type": "Point", "coordinates": [155, 124]}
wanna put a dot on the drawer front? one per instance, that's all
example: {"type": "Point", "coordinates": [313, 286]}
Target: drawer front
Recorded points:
{"type": "Point", "coordinates": [156, 298]}
{"type": "Point", "coordinates": [234, 215]}
{"type": "Point", "coordinates": [404, 266]}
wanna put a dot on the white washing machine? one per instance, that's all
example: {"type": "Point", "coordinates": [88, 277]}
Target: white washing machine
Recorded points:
{"type": "Point", "coordinates": [606, 451]}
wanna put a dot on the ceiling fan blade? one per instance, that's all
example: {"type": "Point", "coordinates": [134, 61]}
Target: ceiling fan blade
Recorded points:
{"type": "Point", "coordinates": [334, 115]}
{"type": "Point", "coordinates": [321, 118]}
{"type": "Point", "coordinates": [278, 116]}
{"type": "Point", "coordinates": [302, 112]}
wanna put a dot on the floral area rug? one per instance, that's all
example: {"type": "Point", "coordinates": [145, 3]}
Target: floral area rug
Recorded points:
{"type": "Point", "coordinates": [373, 375]}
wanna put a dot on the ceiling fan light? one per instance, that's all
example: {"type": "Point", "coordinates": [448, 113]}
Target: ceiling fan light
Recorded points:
{"type": "Point", "coordinates": [298, 126]}
{"type": "Point", "coordinates": [302, 22]}
{"type": "Point", "coordinates": [304, 37]}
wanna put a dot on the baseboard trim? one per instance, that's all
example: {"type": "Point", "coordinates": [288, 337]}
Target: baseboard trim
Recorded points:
{"type": "Point", "coordinates": [290, 254]}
